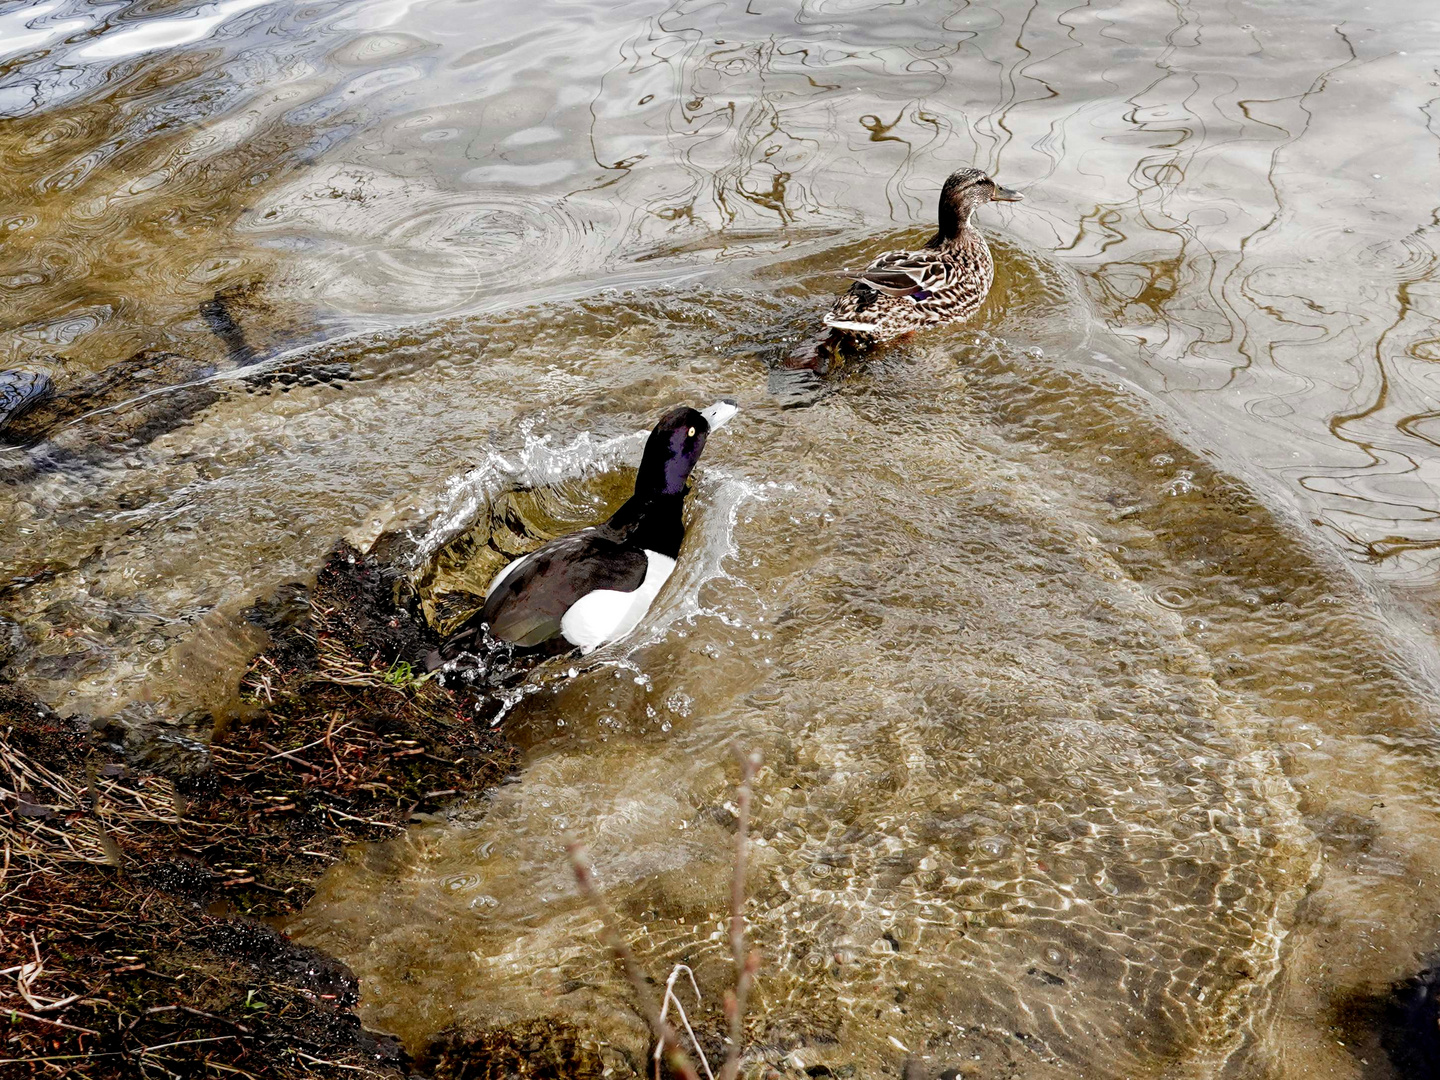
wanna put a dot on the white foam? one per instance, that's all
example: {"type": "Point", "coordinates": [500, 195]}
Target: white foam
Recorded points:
{"type": "Point", "coordinates": [709, 542]}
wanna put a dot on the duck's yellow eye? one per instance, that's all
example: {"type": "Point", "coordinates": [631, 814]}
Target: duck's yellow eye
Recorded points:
{"type": "Point", "coordinates": [692, 433]}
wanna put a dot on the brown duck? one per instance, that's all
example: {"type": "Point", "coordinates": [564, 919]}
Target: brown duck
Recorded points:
{"type": "Point", "coordinates": [945, 281]}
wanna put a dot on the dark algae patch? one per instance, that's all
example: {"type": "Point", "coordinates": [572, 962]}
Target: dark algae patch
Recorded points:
{"type": "Point", "coordinates": [1399, 1024]}
{"type": "Point", "coordinates": [137, 892]}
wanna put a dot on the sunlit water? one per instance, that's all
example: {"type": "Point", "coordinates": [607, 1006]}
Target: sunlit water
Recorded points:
{"type": "Point", "coordinates": [1088, 646]}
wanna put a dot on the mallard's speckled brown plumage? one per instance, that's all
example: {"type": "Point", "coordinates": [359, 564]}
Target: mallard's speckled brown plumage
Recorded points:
{"type": "Point", "coordinates": [945, 281]}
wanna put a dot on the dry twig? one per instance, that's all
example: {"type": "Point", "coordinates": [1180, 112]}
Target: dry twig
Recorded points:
{"type": "Point", "coordinates": [747, 965]}
{"type": "Point", "coordinates": [53, 1023]}
{"type": "Point", "coordinates": [670, 1046]}
{"type": "Point", "coordinates": [670, 996]}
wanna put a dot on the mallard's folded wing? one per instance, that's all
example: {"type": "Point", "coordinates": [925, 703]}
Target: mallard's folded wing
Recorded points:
{"type": "Point", "coordinates": [906, 273]}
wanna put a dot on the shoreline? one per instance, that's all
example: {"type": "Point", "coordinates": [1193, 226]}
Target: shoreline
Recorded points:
{"type": "Point", "coordinates": [138, 896]}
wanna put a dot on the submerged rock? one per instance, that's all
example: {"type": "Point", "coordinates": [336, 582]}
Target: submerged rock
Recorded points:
{"type": "Point", "coordinates": [127, 380]}
{"type": "Point", "coordinates": [136, 400]}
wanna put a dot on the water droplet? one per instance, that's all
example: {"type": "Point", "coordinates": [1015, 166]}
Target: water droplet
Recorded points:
{"type": "Point", "coordinates": [1181, 485]}
{"type": "Point", "coordinates": [1173, 597]}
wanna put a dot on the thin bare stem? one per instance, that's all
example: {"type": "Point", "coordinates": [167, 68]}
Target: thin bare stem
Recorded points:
{"type": "Point", "coordinates": [674, 1053]}
{"type": "Point", "coordinates": [670, 996]}
{"type": "Point", "coordinates": [745, 965]}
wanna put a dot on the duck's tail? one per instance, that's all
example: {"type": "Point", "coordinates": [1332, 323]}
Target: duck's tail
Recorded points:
{"type": "Point", "coordinates": [818, 353]}
{"type": "Point", "coordinates": [802, 377]}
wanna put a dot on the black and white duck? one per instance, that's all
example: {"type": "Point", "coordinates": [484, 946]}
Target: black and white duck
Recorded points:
{"type": "Point", "coordinates": [945, 281]}
{"type": "Point", "coordinates": [595, 586]}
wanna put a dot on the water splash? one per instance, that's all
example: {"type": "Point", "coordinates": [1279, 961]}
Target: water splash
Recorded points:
{"type": "Point", "coordinates": [536, 463]}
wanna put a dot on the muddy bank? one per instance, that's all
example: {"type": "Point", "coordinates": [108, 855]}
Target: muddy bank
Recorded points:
{"type": "Point", "coordinates": [137, 885]}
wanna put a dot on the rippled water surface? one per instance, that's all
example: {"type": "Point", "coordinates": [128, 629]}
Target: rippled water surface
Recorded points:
{"type": "Point", "coordinates": [1090, 646]}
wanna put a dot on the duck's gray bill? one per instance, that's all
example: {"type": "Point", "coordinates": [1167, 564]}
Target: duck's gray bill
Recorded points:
{"type": "Point", "coordinates": [719, 414]}
{"type": "Point", "coordinates": [1005, 194]}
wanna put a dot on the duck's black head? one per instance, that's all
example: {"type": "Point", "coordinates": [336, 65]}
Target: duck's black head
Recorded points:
{"type": "Point", "coordinates": [965, 190]}
{"type": "Point", "coordinates": [674, 447]}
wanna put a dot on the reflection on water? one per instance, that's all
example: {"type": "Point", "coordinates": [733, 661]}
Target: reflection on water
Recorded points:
{"type": "Point", "coordinates": [1081, 752]}
{"type": "Point", "coordinates": [1197, 166]}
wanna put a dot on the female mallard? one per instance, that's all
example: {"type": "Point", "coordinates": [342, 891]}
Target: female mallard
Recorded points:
{"type": "Point", "coordinates": [945, 281]}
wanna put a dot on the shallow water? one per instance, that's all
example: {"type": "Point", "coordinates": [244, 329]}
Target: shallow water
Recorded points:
{"type": "Point", "coordinates": [1089, 646]}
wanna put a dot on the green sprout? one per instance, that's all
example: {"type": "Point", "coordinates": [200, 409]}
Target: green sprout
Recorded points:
{"type": "Point", "coordinates": [402, 676]}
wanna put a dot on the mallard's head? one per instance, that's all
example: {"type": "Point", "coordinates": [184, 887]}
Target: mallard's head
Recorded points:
{"type": "Point", "coordinates": [965, 190]}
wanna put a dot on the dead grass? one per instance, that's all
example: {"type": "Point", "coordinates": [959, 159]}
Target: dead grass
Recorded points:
{"type": "Point", "coordinates": [129, 900]}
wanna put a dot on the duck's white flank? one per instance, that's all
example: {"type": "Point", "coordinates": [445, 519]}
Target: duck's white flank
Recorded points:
{"type": "Point", "coordinates": [607, 615]}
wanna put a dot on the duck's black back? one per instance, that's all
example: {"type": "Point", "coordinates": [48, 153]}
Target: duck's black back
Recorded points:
{"type": "Point", "coordinates": [649, 523]}
{"type": "Point", "coordinates": [527, 607]}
